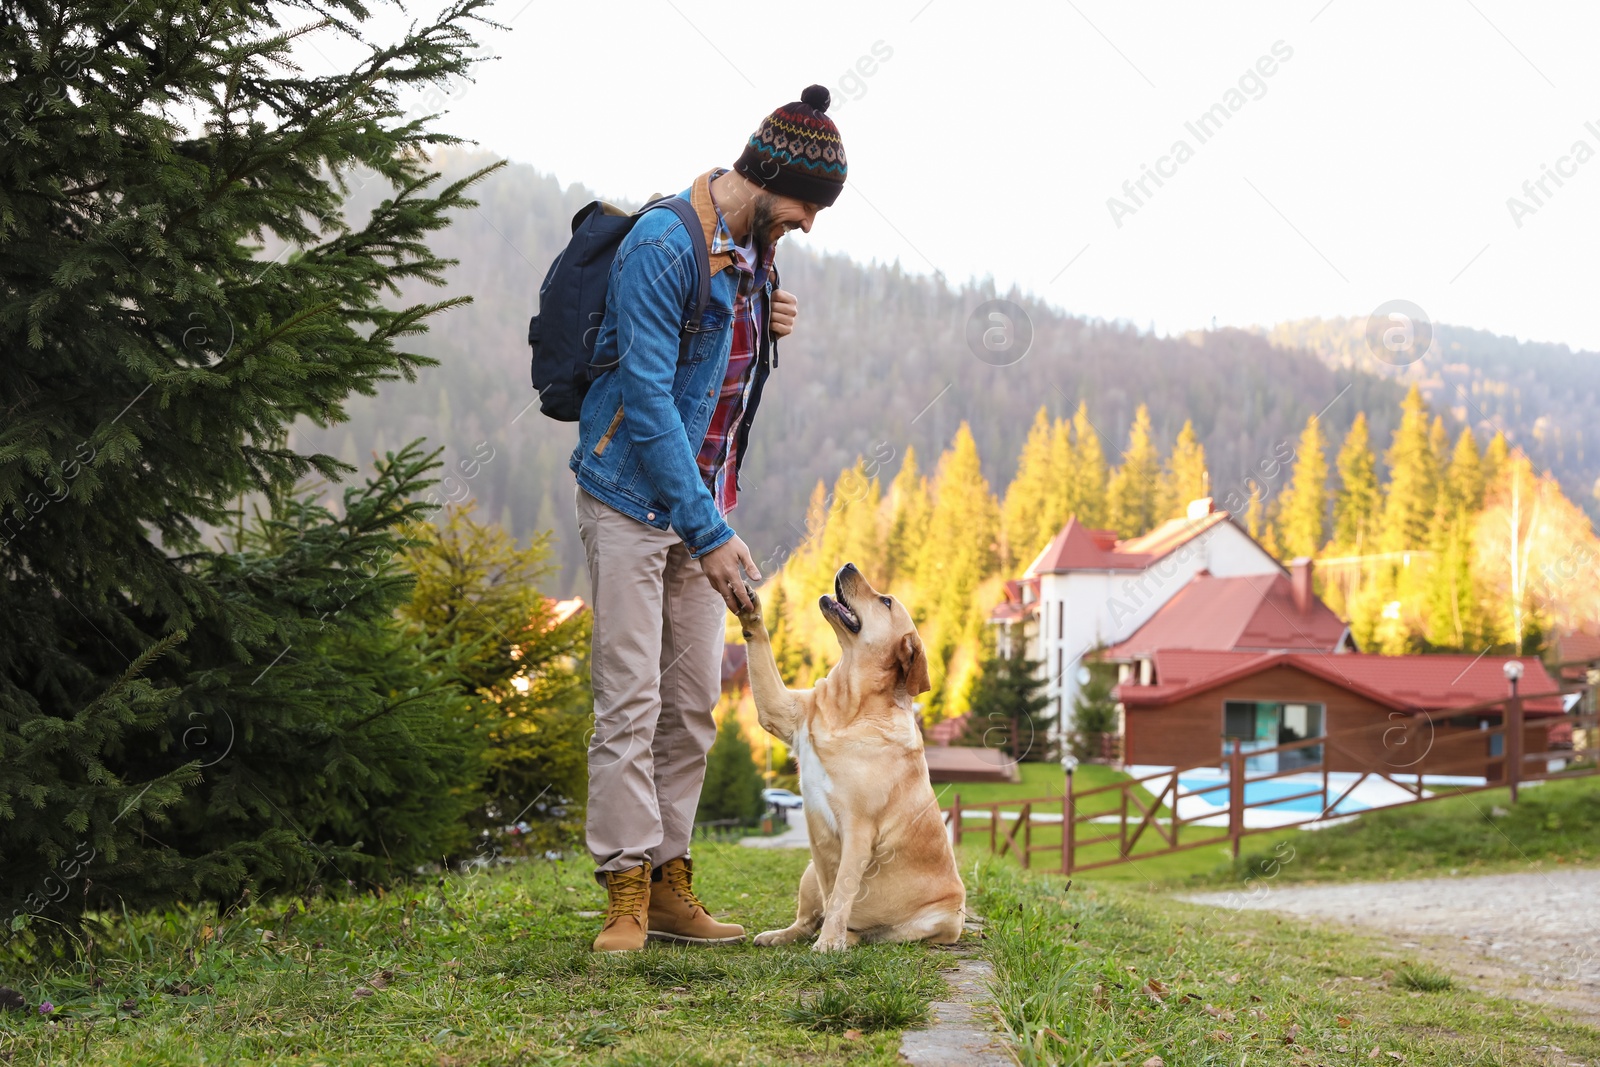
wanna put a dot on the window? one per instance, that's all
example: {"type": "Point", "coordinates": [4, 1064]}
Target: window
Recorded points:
{"type": "Point", "coordinates": [1263, 725]}
{"type": "Point", "coordinates": [1061, 607]}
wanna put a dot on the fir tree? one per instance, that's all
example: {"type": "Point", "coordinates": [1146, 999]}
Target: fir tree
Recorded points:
{"type": "Point", "coordinates": [1303, 508]}
{"type": "Point", "coordinates": [1410, 496]}
{"type": "Point", "coordinates": [1094, 714]}
{"type": "Point", "coordinates": [793, 662]}
{"type": "Point", "coordinates": [1496, 458]}
{"type": "Point", "coordinates": [1185, 478]}
{"type": "Point", "coordinates": [1355, 506]}
{"type": "Point", "coordinates": [959, 552]}
{"type": "Point", "coordinates": [1465, 479]}
{"type": "Point", "coordinates": [153, 366]}
{"type": "Point", "coordinates": [732, 788]}
{"type": "Point", "coordinates": [477, 610]}
{"type": "Point", "coordinates": [1028, 515]}
{"type": "Point", "coordinates": [850, 534]}
{"type": "Point", "coordinates": [1133, 494]}
{"type": "Point", "coordinates": [1088, 499]}
{"type": "Point", "coordinates": [1007, 708]}
{"type": "Point", "coordinates": [909, 508]}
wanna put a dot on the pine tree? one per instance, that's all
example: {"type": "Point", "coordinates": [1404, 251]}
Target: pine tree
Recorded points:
{"type": "Point", "coordinates": [1465, 478]}
{"type": "Point", "coordinates": [959, 552]}
{"type": "Point", "coordinates": [1088, 500]}
{"type": "Point", "coordinates": [1410, 496]}
{"type": "Point", "coordinates": [1496, 458]}
{"type": "Point", "coordinates": [850, 533]}
{"type": "Point", "coordinates": [793, 661]}
{"type": "Point", "coordinates": [1094, 714]}
{"type": "Point", "coordinates": [732, 788]}
{"type": "Point", "coordinates": [477, 610]}
{"type": "Point", "coordinates": [1185, 477]}
{"type": "Point", "coordinates": [1355, 506]}
{"type": "Point", "coordinates": [1063, 479]}
{"type": "Point", "coordinates": [1033, 497]}
{"type": "Point", "coordinates": [909, 508]}
{"type": "Point", "coordinates": [153, 367]}
{"type": "Point", "coordinates": [1007, 708]}
{"type": "Point", "coordinates": [1133, 494]}
{"type": "Point", "coordinates": [1303, 508]}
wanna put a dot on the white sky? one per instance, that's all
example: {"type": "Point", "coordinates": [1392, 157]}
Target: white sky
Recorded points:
{"type": "Point", "coordinates": [1376, 166]}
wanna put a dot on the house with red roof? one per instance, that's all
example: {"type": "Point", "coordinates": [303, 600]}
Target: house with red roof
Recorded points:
{"type": "Point", "coordinates": [1246, 613]}
{"type": "Point", "coordinates": [1403, 714]}
{"type": "Point", "coordinates": [1088, 589]}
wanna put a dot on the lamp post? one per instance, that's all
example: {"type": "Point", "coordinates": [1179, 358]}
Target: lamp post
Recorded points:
{"type": "Point", "coordinates": [1069, 815]}
{"type": "Point", "coordinates": [1513, 728]}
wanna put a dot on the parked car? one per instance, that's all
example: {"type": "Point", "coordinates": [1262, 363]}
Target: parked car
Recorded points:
{"type": "Point", "coordinates": [781, 798]}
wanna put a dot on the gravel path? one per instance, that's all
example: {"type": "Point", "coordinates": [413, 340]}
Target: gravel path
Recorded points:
{"type": "Point", "coordinates": [1533, 935]}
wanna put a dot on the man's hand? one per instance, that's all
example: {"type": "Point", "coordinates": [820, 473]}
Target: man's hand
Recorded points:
{"type": "Point", "coordinates": [721, 568]}
{"type": "Point", "coordinates": [784, 309]}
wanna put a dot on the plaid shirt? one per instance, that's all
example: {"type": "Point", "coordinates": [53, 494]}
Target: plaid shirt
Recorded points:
{"type": "Point", "coordinates": [716, 458]}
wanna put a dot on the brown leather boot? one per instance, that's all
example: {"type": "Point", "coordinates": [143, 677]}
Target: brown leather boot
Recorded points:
{"type": "Point", "coordinates": [629, 893]}
{"type": "Point", "coordinates": [676, 914]}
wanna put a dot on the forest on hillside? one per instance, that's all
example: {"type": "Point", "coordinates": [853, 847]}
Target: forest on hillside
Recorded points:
{"type": "Point", "coordinates": [1460, 545]}
{"type": "Point", "coordinates": [878, 365]}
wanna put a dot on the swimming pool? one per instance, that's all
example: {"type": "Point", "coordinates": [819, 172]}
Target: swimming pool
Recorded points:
{"type": "Point", "coordinates": [1213, 792]}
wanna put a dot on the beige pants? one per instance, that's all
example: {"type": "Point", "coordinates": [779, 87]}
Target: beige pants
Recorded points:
{"type": "Point", "coordinates": [656, 665]}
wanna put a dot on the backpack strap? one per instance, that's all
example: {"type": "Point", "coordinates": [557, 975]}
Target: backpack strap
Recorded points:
{"type": "Point", "coordinates": [702, 255]}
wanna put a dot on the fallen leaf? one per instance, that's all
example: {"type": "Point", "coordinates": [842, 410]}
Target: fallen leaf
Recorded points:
{"type": "Point", "coordinates": [1342, 1020]}
{"type": "Point", "coordinates": [1099, 996]}
{"type": "Point", "coordinates": [852, 1035]}
{"type": "Point", "coordinates": [268, 935]}
{"type": "Point", "coordinates": [361, 992]}
{"type": "Point", "coordinates": [1291, 1035]}
{"type": "Point", "coordinates": [1220, 1035]}
{"type": "Point", "coordinates": [1219, 1013]}
{"type": "Point", "coordinates": [1395, 1056]}
{"type": "Point", "coordinates": [1374, 1053]}
{"type": "Point", "coordinates": [1153, 989]}
{"type": "Point", "coordinates": [1154, 1061]}
{"type": "Point", "coordinates": [1235, 979]}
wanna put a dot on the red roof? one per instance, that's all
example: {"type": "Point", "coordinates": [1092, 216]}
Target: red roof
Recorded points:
{"type": "Point", "coordinates": [1017, 606]}
{"type": "Point", "coordinates": [1251, 613]}
{"type": "Point", "coordinates": [1404, 683]}
{"type": "Point", "coordinates": [1078, 548]}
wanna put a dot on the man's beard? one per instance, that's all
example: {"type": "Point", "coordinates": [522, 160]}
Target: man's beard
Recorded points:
{"type": "Point", "coordinates": [761, 223]}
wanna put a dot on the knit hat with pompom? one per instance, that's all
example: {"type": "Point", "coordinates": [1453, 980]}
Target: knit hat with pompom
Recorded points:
{"type": "Point", "coordinates": [796, 151]}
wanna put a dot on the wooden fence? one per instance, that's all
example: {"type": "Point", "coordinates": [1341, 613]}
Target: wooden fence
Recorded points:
{"type": "Point", "coordinates": [1146, 817]}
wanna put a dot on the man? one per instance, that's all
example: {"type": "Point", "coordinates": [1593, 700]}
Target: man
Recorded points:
{"type": "Point", "coordinates": [661, 438]}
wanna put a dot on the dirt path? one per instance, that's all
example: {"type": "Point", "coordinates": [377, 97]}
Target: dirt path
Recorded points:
{"type": "Point", "coordinates": [1534, 935]}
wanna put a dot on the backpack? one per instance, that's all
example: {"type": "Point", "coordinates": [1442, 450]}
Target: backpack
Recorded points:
{"type": "Point", "coordinates": [572, 302]}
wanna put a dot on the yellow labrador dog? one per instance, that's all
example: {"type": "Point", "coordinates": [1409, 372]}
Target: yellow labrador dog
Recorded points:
{"type": "Point", "coordinates": [881, 865]}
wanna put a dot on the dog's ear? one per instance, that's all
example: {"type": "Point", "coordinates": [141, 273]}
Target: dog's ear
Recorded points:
{"type": "Point", "coordinates": [913, 665]}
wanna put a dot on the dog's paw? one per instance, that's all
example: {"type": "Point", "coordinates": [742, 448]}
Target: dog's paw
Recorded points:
{"type": "Point", "coordinates": [831, 943]}
{"type": "Point", "coordinates": [751, 623]}
{"type": "Point", "coordinates": [774, 937]}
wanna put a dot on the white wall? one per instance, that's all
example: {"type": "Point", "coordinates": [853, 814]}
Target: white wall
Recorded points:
{"type": "Point", "coordinates": [1080, 611]}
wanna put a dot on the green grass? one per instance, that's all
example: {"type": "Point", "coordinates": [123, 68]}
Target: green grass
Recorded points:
{"type": "Point", "coordinates": [494, 968]}
{"type": "Point", "coordinates": [1038, 780]}
{"type": "Point", "coordinates": [1551, 825]}
{"type": "Point", "coordinates": [482, 969]}
{"type": "Point", "coordinates": [1101, 976]}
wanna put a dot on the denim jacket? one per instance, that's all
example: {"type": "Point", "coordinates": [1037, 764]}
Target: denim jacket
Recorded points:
{"type": "Point", "coordinates": [644, 418]}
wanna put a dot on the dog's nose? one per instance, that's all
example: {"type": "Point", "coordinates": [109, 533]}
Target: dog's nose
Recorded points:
{"type": "Point", "coordinates": [848, 567]}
